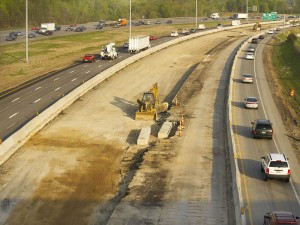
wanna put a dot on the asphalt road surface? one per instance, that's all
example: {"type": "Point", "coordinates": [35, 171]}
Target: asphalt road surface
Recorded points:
{"type": "Point", "coordinates": [261, 196]}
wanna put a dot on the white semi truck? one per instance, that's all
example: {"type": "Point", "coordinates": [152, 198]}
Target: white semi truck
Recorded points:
{"type": "Point", "coordinates": [138, 43]}
{"type": "Point", "coordinates": [240, 16]}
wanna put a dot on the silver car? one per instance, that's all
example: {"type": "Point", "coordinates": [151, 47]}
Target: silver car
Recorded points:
{"type": "Point", "coordinates": [251, 103]}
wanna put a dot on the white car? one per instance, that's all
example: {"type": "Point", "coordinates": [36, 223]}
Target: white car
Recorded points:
{"type": "Point", "coordinates": [271, 31]}
{"type": "Point", "coordinates": [247, 78]}
{"type": "Point", "coordinates": [250, 55]}
{"type": "Point", "coordinates": [174, 34]}
{"type": "Point", "coordinates": [275, 165]}
{"type": "Point", "coordinates": [251, 103]}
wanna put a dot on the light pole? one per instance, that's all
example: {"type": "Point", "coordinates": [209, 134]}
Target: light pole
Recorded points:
{"type": "Point", "coordinates": [247, 11]}
{"type": "Point", "coordinates": [196, 12]}
{"type": "Point", "coordinates": [130, 19]}
{"type": "Point", "coordinates": [26, 31]}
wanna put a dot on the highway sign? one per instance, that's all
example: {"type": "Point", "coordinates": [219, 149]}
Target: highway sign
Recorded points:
{"type": "Point", "coordinates": [269, 16]}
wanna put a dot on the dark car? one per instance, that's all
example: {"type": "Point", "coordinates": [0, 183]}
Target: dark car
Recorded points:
{"type": "Point", "coordinates": [78, 29]}
{"type": "Point", "coordinates": [13, 33]}
{"type": "Point", "coordinates": [192, 30]}
{"type": "Point", "coordinates": [31, 35]}
{"type": "Point", "coordinates": [262, 129]}
{"type": "Point", "coordinates": [82, 27]}
{"type": "Point", "coordinates": [57, 28]}
{"type": "Point", "coordinates": [254, 41]}
{"type": "Point", "coordinates": [99, 27]}
{"type": "Point", "coordinates": [11, 38]}
{"type": "Point", "coordinates": [69, 29]}
{"type": "Point", "coordinates": [280, 217]}
{"type": "Point", "coordinates": [169, 21]}
{"type": "Point", "coordinates": [261, 36]}
{"type": "Point", "coordinates": [47, 32]}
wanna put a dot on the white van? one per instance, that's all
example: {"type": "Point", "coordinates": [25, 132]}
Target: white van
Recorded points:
{"type": "Point", "coordinates": [215, 16]}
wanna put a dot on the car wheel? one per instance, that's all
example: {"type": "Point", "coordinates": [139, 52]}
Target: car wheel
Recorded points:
{"type": "Point", "coordinates": [261, 169]}
{"type": "Point", "coordinates": [265, 178]}
{"type": "Point", "coordinates": [287, 180]}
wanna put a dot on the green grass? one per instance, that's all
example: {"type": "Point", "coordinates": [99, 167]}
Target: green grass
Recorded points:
{"type": "Point", "coordinates": [286, 58]}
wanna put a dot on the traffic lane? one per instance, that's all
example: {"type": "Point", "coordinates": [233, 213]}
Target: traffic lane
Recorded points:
{"type": "Point", "coordinates": [257, 194]}
{"type": "Point", "coordinates": [45, 93]}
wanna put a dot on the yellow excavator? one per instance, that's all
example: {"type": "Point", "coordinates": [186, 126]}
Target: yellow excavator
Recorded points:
{"type": "Point", "coordinates": [149, 106]}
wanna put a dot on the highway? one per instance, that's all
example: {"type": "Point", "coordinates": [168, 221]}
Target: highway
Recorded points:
{"type": "Point", "coordinates": [261, 196]}
{"type": "Point", "coordinates": [20, 106]}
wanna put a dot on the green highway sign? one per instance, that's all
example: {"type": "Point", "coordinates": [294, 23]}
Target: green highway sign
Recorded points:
{"type": "Point", "coordinates": [269, 16]}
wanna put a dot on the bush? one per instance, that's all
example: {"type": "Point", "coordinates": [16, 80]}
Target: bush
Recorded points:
{"type": "Point", "coordinates": [291, 38]}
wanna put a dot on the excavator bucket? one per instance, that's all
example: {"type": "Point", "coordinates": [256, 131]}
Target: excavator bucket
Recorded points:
{"type": "Point", "coordinates": [147, 115]}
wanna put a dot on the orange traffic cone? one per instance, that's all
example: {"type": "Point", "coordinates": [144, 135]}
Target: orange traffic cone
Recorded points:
{"type": "Point", "coordinates": [292, 93]}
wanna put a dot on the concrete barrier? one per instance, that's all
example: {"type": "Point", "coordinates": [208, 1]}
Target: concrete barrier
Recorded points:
{"type": "Point", "coordinates": [144, 136]}
{"type": "Point", "coordinates": [165, 130]}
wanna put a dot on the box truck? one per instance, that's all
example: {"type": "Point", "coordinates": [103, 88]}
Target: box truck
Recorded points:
{"type": "Point", "coordinates": [240, 16]}
{"type": "Point", "coordinates": [138, 43]}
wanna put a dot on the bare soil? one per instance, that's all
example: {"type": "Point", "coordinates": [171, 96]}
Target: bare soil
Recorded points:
{"type": "Point", "coordinates": [288, 114]}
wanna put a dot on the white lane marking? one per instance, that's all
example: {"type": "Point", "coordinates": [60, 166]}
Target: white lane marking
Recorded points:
{"type": "Point", "coordinates": [37, 88]}
{"type": "Point", "coordinates": [85, 65]}
{"type": "Point", "coordinates": [15, 99]}
{"type": "Point", "coordinates": [57, 89]}
{"type": "Point", "coordinates": [56, 79]}
{"type": "Point", "coordinates": [10, 126]}
{"type": "Point", "coordinates": [87, 71]}
{"type": "Point", "coordinates": [12, 115]}
{"type": "Point", "coordinates": [72, 71]}
{"type": "Point", "coordinates": [37, 100]}
{"type": "Point", "coordinates": [97, 60]}
{"type": "Point", "coordinates": [74, 79]}
{"type": "Point", "coordinates": [277, 148]}
{"type": "Point", "coordinates": [99, 65]}
{"type": "Point", "coordinates": [120, 56]}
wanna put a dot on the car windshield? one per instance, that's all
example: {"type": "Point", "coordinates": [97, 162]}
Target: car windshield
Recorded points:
{"type": "Point", "coordinates": [278, 164]}
{"type": "Point", "coordinates": [247, 76]}
{"type": "Point", "coordinates": [251, 100]}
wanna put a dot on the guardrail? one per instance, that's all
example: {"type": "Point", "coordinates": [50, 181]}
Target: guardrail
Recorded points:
{"type": "Point", "coordinates": [16, 140]}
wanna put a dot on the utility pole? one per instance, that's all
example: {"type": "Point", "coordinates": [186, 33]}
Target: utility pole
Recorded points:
{"type": "Point", "coordinates": [26, 31]}
{"type": "Point", "coordinates": [196, 13]}
{"type": "Point", "coordinates": [130, 19]}
{"type": "Point", "coordinates": [247, 11]}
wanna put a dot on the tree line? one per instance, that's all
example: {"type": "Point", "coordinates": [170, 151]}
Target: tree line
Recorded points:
{"type": "Point", "coordinates": [12, 12]}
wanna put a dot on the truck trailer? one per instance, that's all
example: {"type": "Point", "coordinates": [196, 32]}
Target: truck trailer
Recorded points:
{"type": "Point", "coordinates": [48, 26]}
{"type": "Point", "coordinates": [240, 16]}
{"type": "Point", "coordinates": [138, 43]}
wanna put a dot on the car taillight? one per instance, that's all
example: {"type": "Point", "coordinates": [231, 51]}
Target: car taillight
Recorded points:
{"type": "Point", "coordinates": [267, 170]}
{"type": "Point", "coordinates": [289, 171]}
{"type": "Point", "coordinates": [253, 131]}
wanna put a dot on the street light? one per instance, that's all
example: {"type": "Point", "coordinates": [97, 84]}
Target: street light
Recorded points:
{"type": "Point", "coordinates": [196, 12]}
{"type": "Point", "coordinates": [130, 19]}
{"type": "Point", "coordinates": [247, 11]}
{"type": "Point", "coordinates": [26, 31]}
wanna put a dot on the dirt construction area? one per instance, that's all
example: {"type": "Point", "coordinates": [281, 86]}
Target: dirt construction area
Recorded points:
{"type": "Point", "coordinates": [85, 167]}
